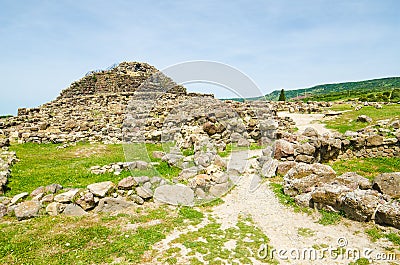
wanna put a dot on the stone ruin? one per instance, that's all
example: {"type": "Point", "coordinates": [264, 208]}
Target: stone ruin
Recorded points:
{"type": "Point", "coordinates": [134, 102]}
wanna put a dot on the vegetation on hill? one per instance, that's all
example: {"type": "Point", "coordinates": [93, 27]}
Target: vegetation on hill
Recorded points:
{"type": "Point", "coordinates": [383, 89]}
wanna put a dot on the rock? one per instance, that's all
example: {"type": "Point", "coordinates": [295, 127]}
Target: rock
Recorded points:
{"type": "Point", "coordinates": [305, 177]}
{"type": "Point", "coordinates": [66, 196]}
{"type": "Point", "coordinates": [18, 197]}
{"type": "Point", "coordinates": [310, 132]}
{"type": "Point", "coordinates": [374, 140]}
{"type": "Point", "coordinates": [55, 208]}
{"type": "Point", "coordinates": [305, 159]}
{"type": "Point", "coordinates": [142, 165]}
{"type": "Point", "coordinates": [53, 188]}
{"type": "Point", "coordinates": [37, 191]}
{"type": "Point", "coordinates": [113, 205]}
{"type": "Point", "coordinates": [305, 149]}
{"type": "Point", "coordinates": [359, 205]}
{"type": "Point", "coordinates": [243, 142]}
{"type": "Point", "coordinates": [3, 210]}
{"type": "Point", "coordinates": [220, 177]}
{"type": "Point", "coordinates": [4, 142]}
{"type": "Point", "coordinates": [187, 173]}
{"type": "Point", "coordinates": [304, 200]}
{"type": "Point", "coordinates": [127, 183]}
{"type": "Point", "coordinates": [328, 196]}
{"type": "Point", "coordinates": [389, 214]}
{"type": "Point", "coordinates": [142, 179]}
{"type": "Point", "coordinates": [364, 118]}
{"type": "Point", "coordinates": [175, 195]}
{"type": "Point", "coordinates": [283, 148]}
{"type": "Point", "coordinates": [388, 183]}
{"type": "Point", "coordinates": [220, 189]}
{"type": "Point", "coordinates": [137, 199]}
{"type": "Point", "coordinates": [86, 201]}
{"type": "Point", "coordinates": [73, 210]}
{"type": "Point", "coordinates": [144, 192]}
{"type": "Point", "coordinates": [173, 159]}
{"type": "Point", "coordinates": [269, 168]}
{"type": "Point", "coordinates": [210, 128]}
{"type": "Point", "coordinates": [48, 198]}
{"type": "Point", "coordinates": [284, 167]}
{"type": "Point", "coordinates": [101, 189]}
{"type": "Point", "coordinates": [26, 210]}
{"type": "Point", "coordinates": [353, 181]}
{"type": "Point", "coordinates": [220, 162]}
{"type": "Point", "coordinates": [158, 154]}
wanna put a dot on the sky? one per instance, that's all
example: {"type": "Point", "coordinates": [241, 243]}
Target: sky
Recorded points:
{"type": "Point", "coordinates": [46, 45]}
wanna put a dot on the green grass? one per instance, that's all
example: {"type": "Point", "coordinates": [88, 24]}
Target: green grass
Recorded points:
{"type": "Point", "coordinates": [209, 242]}
{"type": "Point", "coordinates": [375, 234]}
{"type": "Point", "coordinates": [367, 167]}
{"type": "Point", "coordinates": [87, 240]}
{"type": "Point", "coordinates": [348, 120]}
{"type": "Point", "coordinates": [305, 232]}
{"type": "Point", "coordinates": [360, 261]}
{"type": "Point", "coordinates": [329, 218]}
{"type": "Point", "coordinates": [44, 164]}
{"type": "Point", "coordinates": [285, 199]}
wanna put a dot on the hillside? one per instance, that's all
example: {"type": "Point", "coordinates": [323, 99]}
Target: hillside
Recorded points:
{"type": "Point", "coordinates": [328, 92]}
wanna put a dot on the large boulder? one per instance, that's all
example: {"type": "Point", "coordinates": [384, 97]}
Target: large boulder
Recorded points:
{"type": "Point", "coordinates": [364, 118]}
{"type": "Point", "coordinates": [127, 183]}
{"type": "Point", "coordinates": [27, 209]}
{"type": "Point", "coordinates": [328, 196]}
{"type": "Point", "coordinates": [305, 177]}
{"type": "Point", "coordinates": [101, 189]}
{"type": "Point", "coordinates": [113, 205]}
{"type": "Point", "coordinates": [360, 205]}
{"type": "Point", "coordinates": [73, 210]}
{"type": "Point", "coordinates": [66, 196]}
{"type": "Point", "coordinates": [388, 183]}
{"type": "Point", "coordinates": [374, 140]}
{"type": "Point", "coordinates": [353, 181]}
{"type": "Point", "coordinates": [283, 148]}
{"type": "Point", "coordinates": [389, 214]}
{"type": "Point", "coordinates": [174, 194]}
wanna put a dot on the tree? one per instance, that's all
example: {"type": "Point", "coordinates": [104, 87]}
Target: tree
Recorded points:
{"type": "Point", "coordinates": [282, 96]}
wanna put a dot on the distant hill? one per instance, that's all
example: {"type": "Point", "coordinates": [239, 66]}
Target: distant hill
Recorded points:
{"type": "Point", "coordinates": [328, 92]}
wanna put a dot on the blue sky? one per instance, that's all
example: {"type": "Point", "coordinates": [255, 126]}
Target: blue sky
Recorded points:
{"type": "Point", "coordinates": [46, 45]}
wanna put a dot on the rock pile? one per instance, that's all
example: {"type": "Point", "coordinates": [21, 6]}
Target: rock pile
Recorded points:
{"type": "Point", "coordinates": [318, 186]}
{"type": "Point", "coordinates": [7, 159]}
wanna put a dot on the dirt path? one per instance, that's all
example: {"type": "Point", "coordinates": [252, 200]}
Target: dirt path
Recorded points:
{"type": "Point", "coordinates": [287, 230]}
{"type": "Point", "coordinates": [307, 120]}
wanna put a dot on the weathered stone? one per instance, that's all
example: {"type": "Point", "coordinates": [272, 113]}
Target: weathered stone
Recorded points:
{"type": "Point", "coordinates": [18, 197]}
{"type": "Point", "coordinates": [388, 183]}
{"type": "Point", "coordinates": [137, 199]}
{"type": "Point", "coordinates": [3, 210]}
{"type": "Point", "coordinates": [389, 214]}
{"type": "Point", "coordinates": [86, 201]}
{"type": "Point", "coordinates": [144, 192]}
{"type": "Point", "coordinates": [374, 140]}
{"type": "Point", "coordinates": [218, 190]}
{"type": "Point", "coordinates": [364, 118]}
{"type": "Point", "coordinates": [113, 205]}
{"type": "Point", "coordinates": [37, 191]}
{"type": "Point", "coordinates": [187, 173]}
{"type": "Point", "coordinates": [55, 208]}
{"type": "Point", "coordinates": [210, 128]}
{"type": "Point", "coordinates": [305, 159]}
{"type": "Point", "coordinates": [48, 198]}
{"type": "Point", "coordinates": [304, 200]}
{"type": "Point", "coordinates": [359, 205]}
{"type": "Point", "coordinates": [53, 188]}
{"type": "Point", "coordinates": [101, 189]}
{"type": "Point", "coordinates": [73, 210]}
{"type": "Point", "coordinates": [269, 168]}
{"type": "Point", "coordinates": [142, 165]}
{"type": "Point", "coordinates": [305, 149]}
{"type": "Point", "coordinates": [173, 159]}
{"type": "Point", "coordinates": [243, 142]}
{"type": "Point", "coordinates": [310, 132]}
{"type": "Point", "coordinates": [142, 179]}
{"type": "Point", "coordinates": [353, 181]}
{"type": "Point", "coordinates": [220, 162]}
{"type": "Point", "coordinates": [328, 196]}
{"type": "Point", "coordinates": [283, 148]}
{"type": "Point", "coordinates": [158, 154]}
{"type": "Point", "coordinates": [66, 196]}
{"type": "Point", "coordinates": [175, 195]}
{"type": "Point", "coordinates": [127, 183]}
{"type": "Point", "coordinates": [27, 209]}
{"type": "Point", "coordinates": [284, 167]}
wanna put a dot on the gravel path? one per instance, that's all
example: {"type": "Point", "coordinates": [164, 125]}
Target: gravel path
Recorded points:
{"type": "Point", "coordinates": [307, 120]}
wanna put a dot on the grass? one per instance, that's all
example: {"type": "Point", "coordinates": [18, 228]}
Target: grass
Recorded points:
{"type": "Point", "coordinates": [44, 164]}
{"type": "Point", "coordinates": [348, 120]}
{"type": "Point", "coordinates": [305, 232]}
{"type": "Point", "coordinates": [375, 234]}
{"type": "Point", "coordinates": [233, 147]}
{"type": "Point", "coordinates": [210, 241]}
{"type": "Point", "coordinates": [89, 240]}
{"type": "Point", "coordinates": [367, 167]}
{"type": "Point", "coordinates": [329, 218]}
